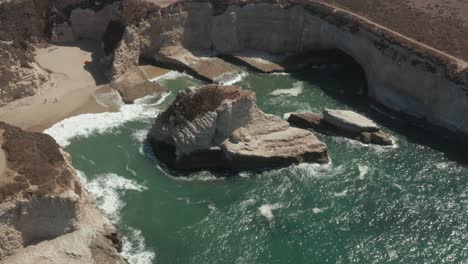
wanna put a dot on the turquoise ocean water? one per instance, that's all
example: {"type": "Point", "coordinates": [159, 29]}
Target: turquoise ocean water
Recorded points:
{"type": "Point", "coordinates": [372, 204]}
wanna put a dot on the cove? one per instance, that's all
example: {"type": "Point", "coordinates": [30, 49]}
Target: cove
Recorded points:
{"type": "Point", "coordinates": [371, 204]}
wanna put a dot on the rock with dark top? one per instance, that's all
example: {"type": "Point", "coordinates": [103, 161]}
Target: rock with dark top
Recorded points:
{"type": "Point", "coordinates": [365, 131]}
{"type": "Point", "coordinates": [221, 127]}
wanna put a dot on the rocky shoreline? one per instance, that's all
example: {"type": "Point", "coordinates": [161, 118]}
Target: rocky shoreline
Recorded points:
{"type": "Point", "coordinates": [221, 127]}
{"type": "Point", "coordinates": [45, 213]}
{"type": "Point", "coordinates": [393, 64]}
{"type": "Point", "coordinates": [191, 35]}
{"type": "Point", "coordinates": [343, 124]}
{"type": "Point", "coordinates": [403, 75]}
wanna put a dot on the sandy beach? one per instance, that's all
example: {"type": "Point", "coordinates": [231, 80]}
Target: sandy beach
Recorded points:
{"type": "Point", "coordinates": [70, 91]}
{"type": "Point", "coordinates": [73, 88]}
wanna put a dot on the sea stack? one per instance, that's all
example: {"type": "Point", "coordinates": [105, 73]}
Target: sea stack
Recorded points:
{"type": "Point", "coordinates": [221, 127]}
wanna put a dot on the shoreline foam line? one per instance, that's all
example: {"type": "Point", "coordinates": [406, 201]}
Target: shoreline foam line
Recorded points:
{"type": "Point", "coordinates": [87, 124]}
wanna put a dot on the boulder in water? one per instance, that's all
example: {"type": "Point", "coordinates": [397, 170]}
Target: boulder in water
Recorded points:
{"type": "Point", "coordinates": [344, 124]}
{"type": "Point", "coordinates": [349, 121]}
{"type": "Point", "coordinates": [221, 127]}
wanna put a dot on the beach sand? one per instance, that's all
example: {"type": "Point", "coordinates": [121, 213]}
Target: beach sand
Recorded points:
{"type": "Point", "coordinates": [73, 88]}
{"type": "Point", "coordinates": [70, 91]}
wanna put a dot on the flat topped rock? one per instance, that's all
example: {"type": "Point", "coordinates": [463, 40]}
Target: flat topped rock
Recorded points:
{"type": "Point", "coordinates": [203, 66]}
{"type": "Point", "coordinates": [134, 85]}
{"type": "Point", "coordinates": [349, 121]}
{"type": "Point", "coordinates": [221, 127]}
{"type": "Point", "coordinates": [318, 124]}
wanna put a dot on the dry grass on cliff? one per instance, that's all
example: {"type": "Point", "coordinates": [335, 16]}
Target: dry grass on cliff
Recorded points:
{"type": "Point", "coordinates": [442, 24]}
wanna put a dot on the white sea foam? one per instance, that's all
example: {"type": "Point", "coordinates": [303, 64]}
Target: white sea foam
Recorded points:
{"type": "Point", "coordinates": [280, 74]}
{"type": "Point", "coordinates": [363, 169]}
{"type": "Point", "coordinates": [152, 99]}
{"type": "Point", "coordinates": [199, 176]}
{"type": "Point", "coordinates": [294, 91]}
{"type": "Point", "coordinates": [140, 135]}
{"type": "Point", "coordinates": [134, 248]}
{"type": "Point", "coordinates": [442, 165]}
{"type": "Point", "coordinates": [107, 190]}
{"type": "Point", "coordinates": [212, 208]}
{"type": "Point", "coordinates": [88, 124]}
{"type": "Point", "coordinates": [287, 115]}
{"type": "Point", "coordinates": [341, 194]}
{"type": "Point", "coordinates": [230, 79]}
{"type": "Point", "coordinates": [246, 203]}
{"type": "Point", "coordinates": [357, 144]}
{"type": "Point", "coordinates": [127, 168]}
{"type": "Point", "coordinates": [267, 210]}
{"type": "Point", "coordinates": [398, 186]}
{"type": "Point", "coordinates": [170, 76]}
{"type": "Point", "coordinates": [317, 210]}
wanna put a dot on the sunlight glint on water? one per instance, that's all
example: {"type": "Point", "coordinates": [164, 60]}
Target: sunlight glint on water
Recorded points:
{"type": "Point", "coordinates": [372, 204]}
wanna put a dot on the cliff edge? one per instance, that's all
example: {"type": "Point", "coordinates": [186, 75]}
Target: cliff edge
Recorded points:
{"type": "Point", "coordinates": [45, 214]}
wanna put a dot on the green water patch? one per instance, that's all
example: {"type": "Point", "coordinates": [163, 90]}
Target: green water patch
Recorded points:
{"type": "Point", "coordinates": [403, 204]}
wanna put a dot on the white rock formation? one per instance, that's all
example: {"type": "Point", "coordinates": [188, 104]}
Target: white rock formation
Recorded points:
{"type": "Point", "coordinates": [349, 121]}
{"type": "Point", "coordinates": [222, 127]}
{"type": "Point", "coordinates": [402, 74]}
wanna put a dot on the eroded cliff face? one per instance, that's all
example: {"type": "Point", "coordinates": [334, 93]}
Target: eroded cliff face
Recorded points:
{"type": "Point", "coordinates": [402, 74]}
{"type": "Point", "coordinates": [26, 24]}
{"type": "Point", "coordinates": [20, 75]}
{"type": "Point", "coordinates": [45, 215]}
{"type": "Point", "coordinates": [221, 127]}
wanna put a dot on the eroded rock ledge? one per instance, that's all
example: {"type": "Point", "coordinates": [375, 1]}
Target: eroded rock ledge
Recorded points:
{"type": "Point", "coordinates": [402, 74]}
{"type": "Point", "coordinates": [344, 124]}
{"type": "Point", "coordinates": [221, 127]}
{"type": "Point", "coordinates": [45, 214]}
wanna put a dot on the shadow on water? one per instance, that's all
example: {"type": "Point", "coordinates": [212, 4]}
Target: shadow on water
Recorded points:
{"type": "Point", "coordinates": [417, 131]}
{"type": "Point", "coordinates": [218, 173]}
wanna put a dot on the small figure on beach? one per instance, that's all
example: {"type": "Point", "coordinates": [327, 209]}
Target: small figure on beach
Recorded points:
{"type": "Point", "coordinates": [55, 100]}
{"type": "Point", "coordinates": [45, 101]}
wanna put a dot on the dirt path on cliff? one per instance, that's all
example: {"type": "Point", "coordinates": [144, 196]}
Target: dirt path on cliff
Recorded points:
{"type": "Point", "coordinates": [461, 63]}
{"type": "Point", "coordinates": [441, 24]}
{"type": "Point", "coordinates": [71, 91]}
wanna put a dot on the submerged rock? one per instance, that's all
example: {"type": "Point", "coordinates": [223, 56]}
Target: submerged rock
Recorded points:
{"type": "Point", "coordinates": [222, 127]}
{"type": "Point", "coordinates": [344, 124]}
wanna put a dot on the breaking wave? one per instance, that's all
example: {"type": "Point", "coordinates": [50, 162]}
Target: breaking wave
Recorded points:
{"type": "Point", "coordinates": [134, 248]}
{"type": "Point", "coordinates": [108, 189]}
{"type": "Point", "coordinates": [294, 91]}
{"type": "Point", "coordinates": [267, 210]}
{"type": "Point", "coordinates": [88, 124]}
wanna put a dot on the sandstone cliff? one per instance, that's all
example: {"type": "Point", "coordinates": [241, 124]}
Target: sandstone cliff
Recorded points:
{"type": "Point", "coordinates": [45, 214]}
{"type": "Point", "coordinates": [402, 74]}
{"type": "Point", "coordinates": [26, 24]}
{"type": "Point", "coordinates": [222, 127]}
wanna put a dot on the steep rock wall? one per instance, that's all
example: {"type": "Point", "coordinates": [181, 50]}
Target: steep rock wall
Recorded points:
{"type": "Point", "coordinates": [45, 215]}
{"type": "Point", "coordinates": [20, 75]}
{"type": "Point", "coordinates": [402, 74]}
